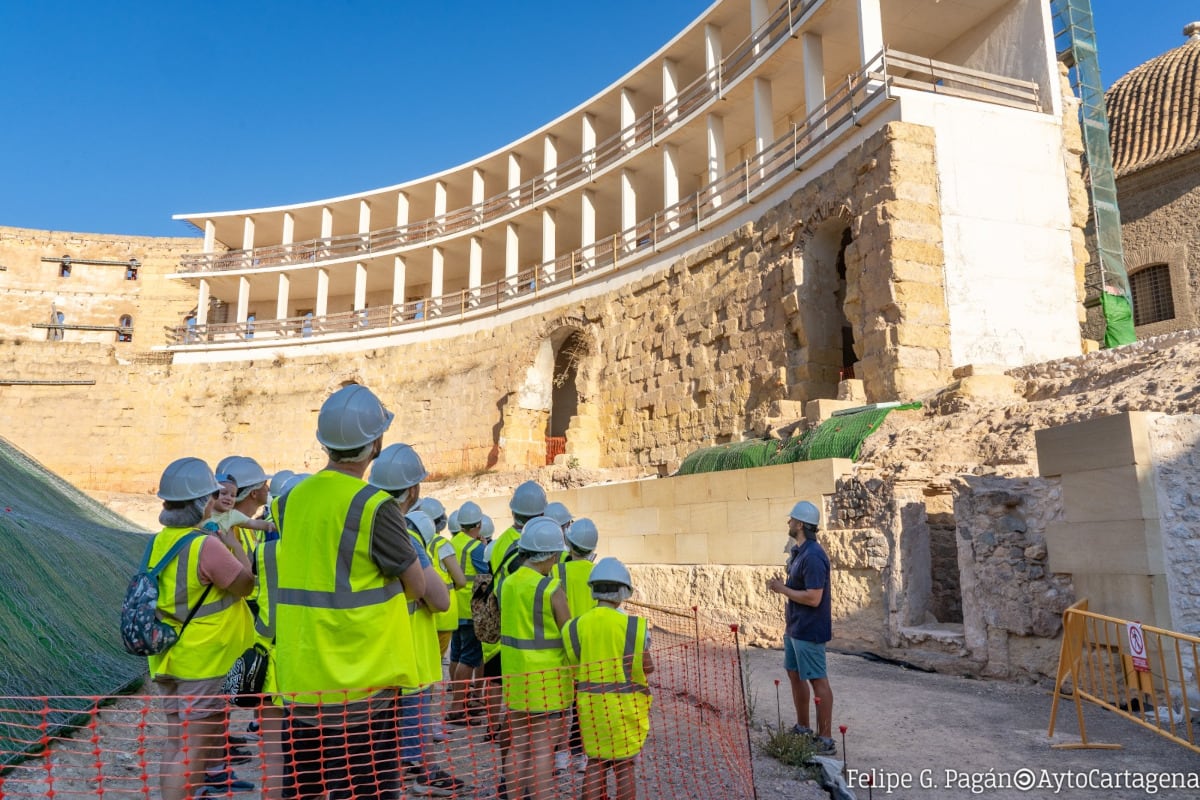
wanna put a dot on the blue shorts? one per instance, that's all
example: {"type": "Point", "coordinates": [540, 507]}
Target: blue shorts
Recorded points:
{"type": "Point", "coordinates": [465, 648]}
{"type": "Point", "coordinates": [807, 659]}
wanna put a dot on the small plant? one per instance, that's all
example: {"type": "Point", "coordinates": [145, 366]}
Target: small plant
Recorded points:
{"type": "Point", "coordinates": [572, 462]}
{"type": "Point", "coordinates": [789, 748]}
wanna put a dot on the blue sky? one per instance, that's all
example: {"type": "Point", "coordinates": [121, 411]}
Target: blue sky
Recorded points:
{"type": "Point", "coordinates": [116, 116]}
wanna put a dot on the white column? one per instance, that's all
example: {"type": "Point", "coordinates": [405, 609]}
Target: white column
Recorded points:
{"type": "Point", "coordinates": [399, 278]}
{"type": "Point", "coordinates": [248, 233]}
{"type": "Point", "coordinates": [550, 162]}
{"type": "Point", "coordinates": [210, 236]}
{"type": "Point", "coordinates": [289, 232]}
{"type": "Point", "coordinates": [764, 118]}
{"type": "Point", "coordinates": [326, 231]}
{"type": "Point", "coordinates": [322, 304]}
{"type": "Point", "coordinates": [712, 57]}
{"type": "Point", "coordinates": [870, 30]}
{"type": "Point", "coordinates": [360, 286]}
{"type": "Point", "coordinates": [549, 247]}
{"type": "Point", "coordinates": [814, 75]}
{"type": "Point", "coordinates": [202, 301]}
{"type": "Point", "coordinates": [281, 296]}
{"type": "Point", "coordinates": [714, 167]}
{"type": "Point", "coordinates": [670, 185]}
{"type": "Point", "coordinates": [514, 178]}
{"type": "Point", "coordinates": [439, 204]}
{"type": "Point", "coordinates": [401, 209]}
{"type": "Point", "coordinates": [628, 118]}
{"type": "Point", "coordinates": [477, 194]}
{"type": "Point", "coordinates": [512, 256]}
{"type": "Point", "coordinates": [243, 301]}
{"type": "Point", "coordinates": [437, 271]}
{"type": "Point", "coordinates": [587, 227]}
{"type": "Point", "coordinates": [475, 270]}
{"type": "Point", "coordinates": [670, 75]}
{"type": "Point", "coordinates": [758, 16]}
{"type": "Point", "coordinates": [587, 142]}
{"type": "Point", "coordinates": [364, 221]}
{"type": "Point", "coordinates": [628, 210]}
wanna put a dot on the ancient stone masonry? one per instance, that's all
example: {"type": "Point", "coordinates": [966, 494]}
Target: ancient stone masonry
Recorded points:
{"type": "Point", "coordinates": [1176, 443]}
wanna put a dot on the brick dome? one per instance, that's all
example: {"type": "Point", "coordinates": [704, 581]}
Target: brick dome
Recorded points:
{"type": "Point", "coordinates": [1154, 110]}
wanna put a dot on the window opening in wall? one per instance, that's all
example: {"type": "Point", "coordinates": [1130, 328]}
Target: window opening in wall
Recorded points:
{"type": "Point", "coordinates": [306, 327]}
{"type": "Point", "coordinates": [59, 319]}
{"type": "Point", "coordinates": [131, 272]}
{"type": "Point", "coordinates": [1152, 299]}
{"type": "Point", "coordinates": [564, 399]}
{"type": "Point", "coordinates": [64, 268]}
{"type": "Point", "coordinates": [190, 322]}
{"type": "Point", "coordinates": [250, 320]}
{"type": "Point", "coordinates": [848, 357]}
{"type": "Point", "coordinates": [125, 326]}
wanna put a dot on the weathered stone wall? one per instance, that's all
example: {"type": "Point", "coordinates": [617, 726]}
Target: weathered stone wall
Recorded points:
{"type": "Point", "coordinates": [1176, 445]}
{"type": "Point", "coordinates": [93, 294]}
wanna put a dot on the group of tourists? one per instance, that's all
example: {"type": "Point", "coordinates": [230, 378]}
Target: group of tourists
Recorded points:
{"type": "Point", "coordinates": [354, 588]}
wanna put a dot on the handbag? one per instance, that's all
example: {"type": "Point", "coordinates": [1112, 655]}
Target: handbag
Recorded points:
{"type": "Point", "coordinates": [245, 679]}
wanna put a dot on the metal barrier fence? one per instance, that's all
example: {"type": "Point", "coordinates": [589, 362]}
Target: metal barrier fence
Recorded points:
{"type": "Point", "coordinates": [119, 747]}
{"type": "Point", "coordinates": [1146, 674]}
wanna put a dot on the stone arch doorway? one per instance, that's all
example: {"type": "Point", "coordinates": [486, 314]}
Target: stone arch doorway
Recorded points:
{"type": "Point", "coordinates": [827, 352]}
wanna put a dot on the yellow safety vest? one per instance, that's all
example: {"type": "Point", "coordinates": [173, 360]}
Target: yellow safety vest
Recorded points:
{"type": "Point", "coordinates": [341, 625]}
{"type": "Point", "coordinates": [464, 546]}
{"type": "Point", "coordinates": [221, 628]}
{"type": "Point", "coordinates": [573, 575]}
{"type": "Point", "coordinates": [267, 569]}
{"type": "Point", "coordinates": [444, 620]}
{"type": "Point", "coordinates": [612, 694]}
{"type": "Point", "coordinates": [535, 678]}
{"type": "Point", "coordinates": [424, 639]}
{"type": "Point", "coordinates": [503, 543]}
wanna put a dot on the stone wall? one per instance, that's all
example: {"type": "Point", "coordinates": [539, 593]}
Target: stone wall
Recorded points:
{"type": "Point", "coordinates": [93, 294]}
{"type": "Point", "coordinates": [1176, 445]}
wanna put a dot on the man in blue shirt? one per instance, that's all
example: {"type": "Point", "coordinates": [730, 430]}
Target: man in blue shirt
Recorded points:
{"type": "Point", "coordinates": [809, 625]}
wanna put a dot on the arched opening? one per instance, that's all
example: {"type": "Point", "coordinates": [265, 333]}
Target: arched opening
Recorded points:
{"type": "Point", "coordinates": [125, 328]}
{"type": "Point", "coordinates": [564, 393]}
{"type": "Point", "coordinates": [826, 336]}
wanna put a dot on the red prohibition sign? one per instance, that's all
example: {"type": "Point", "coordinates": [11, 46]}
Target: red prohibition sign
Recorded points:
{"type": "Point", "coordinates": [1135, 642]}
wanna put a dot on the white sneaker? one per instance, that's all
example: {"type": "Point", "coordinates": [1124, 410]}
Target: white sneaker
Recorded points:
{"type": "Point", "coordinates": [581, 763]}
{"type": "Point", "coordinates": [562, 761]}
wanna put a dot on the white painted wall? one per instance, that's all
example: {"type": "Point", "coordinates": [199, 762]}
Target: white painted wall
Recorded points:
{"type": "Point", "coordinates": [1006, 226]}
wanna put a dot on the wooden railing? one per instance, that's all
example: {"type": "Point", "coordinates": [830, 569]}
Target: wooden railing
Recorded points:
{"type": "Point", "coordinates": [845, 107]}
{"type": "Point", "coordinates": [650, 128]}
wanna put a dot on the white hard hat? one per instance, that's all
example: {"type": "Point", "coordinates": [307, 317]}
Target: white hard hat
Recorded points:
{"type": "Point", "coordinates": [528, 500]}
{"type": "Point", "coordinates": [245, 472]}
{"type": "Point", "coordinates": [434, 509]}
{"type": "Point", "coordinates": [452, 522]}
{"type": "Point", "coordinates": [469, 515]}
{"type": "Point", "coordinates": [187, 479]}
{"type": "Point", "coordinates": [610, 570]}
{"type": "Point", "coordinates": [275, 487]}
{"type": "Point", "coordinates": [542, 535]}
{"type": "Point", "coordinates": [583, 534]}
{"type": "Point", "coordinates": [805, 511]}
{"type": "Point", "coordinates": [293, 482]}
{"type": "Point", "coordinates": [559, 513]}
{"type": "Point", "coordinates": [421, 522]}
{"type": "Point", "coordinates": [351, 418]}
{"type": "Point", "coordinates": [222, 469]}
{"type": "Point", "coordinates": [487, 528]}
{"type": "Point", "coordinates": [398, 467]}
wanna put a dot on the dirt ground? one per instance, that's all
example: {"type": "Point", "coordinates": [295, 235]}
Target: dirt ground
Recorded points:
{"type": "Point", "coordinates": [957, 735]}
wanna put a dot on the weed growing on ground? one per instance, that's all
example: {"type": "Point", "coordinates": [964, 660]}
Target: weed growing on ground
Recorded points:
{"type": "Point", "coordinates": [792, 749]}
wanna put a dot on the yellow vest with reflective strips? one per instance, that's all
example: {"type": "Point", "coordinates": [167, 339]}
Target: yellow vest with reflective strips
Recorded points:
{"type": "Point", "coordinates": [535, 678]}
{"type": "Point", "coordinates": [500, 548]}
{"type": "Point", "coordinates": [612, 694]}
{"type": "Point", "coordinates": [464, 546]}
{"type": "Point", "coordinates": [341, 625]}
{"type": "Point", "coordinates": [573, 575]}
{"type": "Point", "coordinates": [267, 569]}
{"type": "Point", "coordinates": [221, 628]}
{"type": "Point", "coordinates": [424, 638]}
{"type": "Point", "coordinates": [444, 620]}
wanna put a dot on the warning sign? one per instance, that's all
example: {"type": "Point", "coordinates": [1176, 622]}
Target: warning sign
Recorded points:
{"type": "Point", "coordinates": [1137, 646]}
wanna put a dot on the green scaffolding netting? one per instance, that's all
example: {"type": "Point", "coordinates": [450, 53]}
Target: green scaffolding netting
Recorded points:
{"type": "Point", "coordinates": [837, 437]}
{"type": "Point", "coordinates": [65, 561]}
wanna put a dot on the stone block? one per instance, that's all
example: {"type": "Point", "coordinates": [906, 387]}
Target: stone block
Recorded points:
{"type": "Point", "coordinates": [691, 548]}
{"type": "Point", "coordinates": [852, 389]}
{"type": "Point", "coordinates": [707, 517]}
{"type": "Point", "coordinates": [767, 549]}
{"type": "Point", "coordinates": [811, 479]}
{"type": "Point", "coordinates": [748, 516]}
{"type": "Point", "coordinates": [1123, 547]}
{"type": "Point", "coordinates": [659, 491]}
{"type": "Point", "coordinates": [627, 548]}
{"type": "Point", "coordinates": [1113, 441]}
{"type": "Point", "coordinates": [642, 520]}
{"type": "Point", "coordinates": [1142, 598]}
{"type": "Point", "coordinates": [1113, 494]}
{"type": "Point", "coordinates": [673, 519]}
{"type": "Point", "coordinates": [767, 482]}
{"type": "Point", "coordinates": [822, 409]}
{"type": "Point", "coordinates": [627, 494]}
{"type": "Point", "coordinates": [728, 547]}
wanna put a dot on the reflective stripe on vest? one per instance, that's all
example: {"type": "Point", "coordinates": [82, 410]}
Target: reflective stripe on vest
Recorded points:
{"type": "Point", "coordinates": [539, 640]}
{"type": "Point", "coordinates": [268, 579]}
{"type": "Point", "coordinates": [627, 686]}
{"type": "Point", "coordinates": [573, 575]}
{"type": "Point", "coordinates": [218, 602]}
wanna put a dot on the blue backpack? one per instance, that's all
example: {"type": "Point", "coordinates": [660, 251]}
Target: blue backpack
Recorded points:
{"type": "Point", "coordinates": [142, 632]}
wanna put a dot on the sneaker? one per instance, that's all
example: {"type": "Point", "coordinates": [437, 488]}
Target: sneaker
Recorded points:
{"type": "Point", "coordinates": [802, 730]}
{"type": "Point", "coordinates": [581, 763]}
{"type": "Point", "coordinates": [562, 761]}
{"type": "Point", "coordinates": [435, 782]}
{"type": "Point", "coordinates": [824, 746]}
{"type": "Point", "coordinates": [225, 782]}
{"type": "Point", "coordinates": [239, 754]}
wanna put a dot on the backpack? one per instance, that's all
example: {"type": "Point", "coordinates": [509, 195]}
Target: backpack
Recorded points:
{"type": "Point", "coordinates": [485, 605]}
{"type": "Point", "coordinates": [142, 632]}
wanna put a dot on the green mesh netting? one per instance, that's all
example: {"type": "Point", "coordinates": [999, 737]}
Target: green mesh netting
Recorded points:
{"type": "Point", "coordinates": [65, 561]}
{"type": "Point", "coordinates": [837, 437]}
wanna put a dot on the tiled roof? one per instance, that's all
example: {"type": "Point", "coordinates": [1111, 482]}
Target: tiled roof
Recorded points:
{"type": "Point", "coordinates": [1154, 110]}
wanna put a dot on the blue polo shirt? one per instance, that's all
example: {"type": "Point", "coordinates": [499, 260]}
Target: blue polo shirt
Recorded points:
{"type": "Point", "coordinates": [808, 568]}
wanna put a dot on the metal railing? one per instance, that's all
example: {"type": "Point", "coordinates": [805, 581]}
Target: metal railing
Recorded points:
{"type": "Point", "coordinates": [845, 107]}
{"type": "Point", "coordinates": [649, 128]}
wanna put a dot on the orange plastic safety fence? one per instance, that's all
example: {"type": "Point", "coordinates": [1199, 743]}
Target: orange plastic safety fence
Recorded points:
{"type": "Point", "coordinates": [455, 739]}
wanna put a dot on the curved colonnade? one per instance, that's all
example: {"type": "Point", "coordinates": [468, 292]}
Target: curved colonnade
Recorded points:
{"type": "Point", "coordinates": [581, 218]}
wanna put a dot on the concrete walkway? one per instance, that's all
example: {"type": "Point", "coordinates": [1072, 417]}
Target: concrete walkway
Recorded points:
{"type": "Point", "coordinates": [952, 737]}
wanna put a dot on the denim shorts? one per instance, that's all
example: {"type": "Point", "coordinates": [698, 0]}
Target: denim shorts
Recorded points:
{"type": "Point", "coordinates": [804, 658]}
{"type": "Point", "coordinates": [465, 648]}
